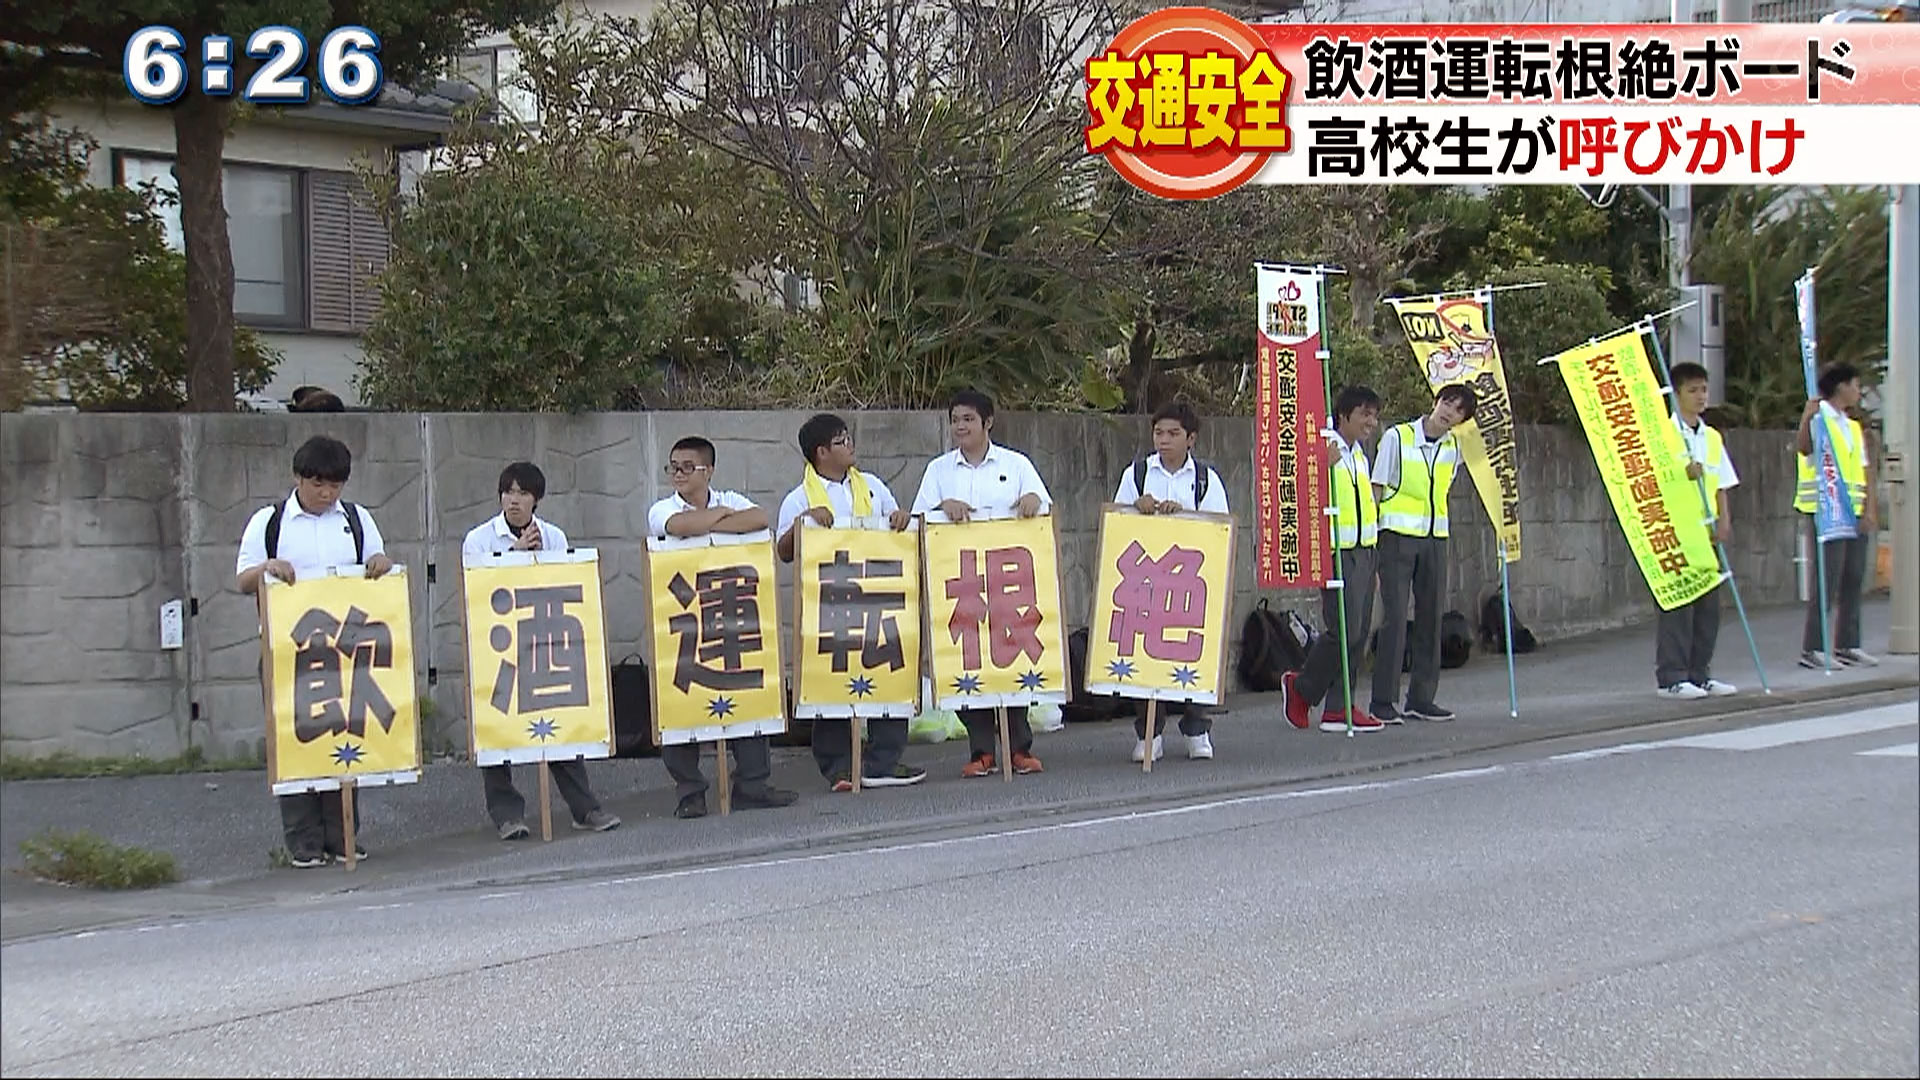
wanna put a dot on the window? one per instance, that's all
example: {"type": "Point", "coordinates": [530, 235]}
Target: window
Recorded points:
{"type": "Point", "coordinates": [1004, 48]}
{"type": "Point", "coordinates": [496, 73]}
{"type": "Point", "coordinates": [305, 243]}
{"type": "Point", "coordinates": [801, 57]}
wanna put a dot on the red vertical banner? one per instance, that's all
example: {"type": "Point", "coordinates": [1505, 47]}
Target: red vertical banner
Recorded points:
{"type": "Point", "coordinates": [1289, 478]}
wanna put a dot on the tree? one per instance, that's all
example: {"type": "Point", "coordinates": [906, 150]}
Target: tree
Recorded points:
{"type": "Point", "coordinates": [94, 299]}
{"type": "Point", "coordinates": [42, 46]}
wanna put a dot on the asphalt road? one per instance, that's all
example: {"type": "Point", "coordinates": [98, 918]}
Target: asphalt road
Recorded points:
{"type": "Point", "coordinates": [1698, 899]}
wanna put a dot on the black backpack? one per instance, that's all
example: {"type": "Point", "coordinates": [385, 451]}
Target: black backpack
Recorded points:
{"type": "Point", "coordinates": [1081, 706]}
{"type": "Point", "coordinates": [1456, 640]}
{"type": "Point", "coordinates": [1202, 479]}
{"type": "Point", "coordinates": [1493, 630]}
{"type": "Point", "coordinates": [632, 710]}
{"type": "Point", "coordinates": [354, 526]}
{"type": "Point", "coordinates": [1271, 644]}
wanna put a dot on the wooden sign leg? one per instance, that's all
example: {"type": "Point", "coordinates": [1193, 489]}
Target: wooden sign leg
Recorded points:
{"type": "Point", "coordinates": [1146, 763]}
{"type": "Point", "coordinates": [857, 728]}
{"type": "Point", "coordinates": [346, 824]}
{"type": "Point", "coordinates": [1006, 745]}
{"type": "Point", "coordinates": [546, 801]}
{"type": "Point", "coordinates": [723, 775]}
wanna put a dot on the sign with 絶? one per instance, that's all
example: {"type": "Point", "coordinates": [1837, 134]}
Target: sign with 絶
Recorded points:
{"type": "Point", "coordinates": [1159, 625]}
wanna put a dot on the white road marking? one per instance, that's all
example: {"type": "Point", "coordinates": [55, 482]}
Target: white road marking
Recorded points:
{"type": "Point", "coordinates": [1769, 736]}
{"type": "Point", "coordinates": [1903, 750]}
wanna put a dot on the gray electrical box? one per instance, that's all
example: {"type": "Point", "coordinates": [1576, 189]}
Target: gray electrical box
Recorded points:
{"type": "Point", "coordinates": [1700, 336]}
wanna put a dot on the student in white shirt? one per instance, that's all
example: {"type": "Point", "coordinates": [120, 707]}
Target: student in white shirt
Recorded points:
{"type": "Point", "coordinates": [302, 537]}
{"type": "Point", "coordinates": [516, 528]}
{"type": "Point", "coordinates": [1683, 652]}
{"type": "Point", "coordinates": [1174, 480]}
{"type": "Point", "coordinates": [1846, 558]}
{"type": "Point", "coordinates": [980, 475]}
{"type": "Point", "coordinates": [834, 489]}
{"type": "Point", "coordinates": [696, 508]}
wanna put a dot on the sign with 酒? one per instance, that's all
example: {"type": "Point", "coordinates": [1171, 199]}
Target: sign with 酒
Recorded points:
{"type": "Point", "coordinates": [537, 679]}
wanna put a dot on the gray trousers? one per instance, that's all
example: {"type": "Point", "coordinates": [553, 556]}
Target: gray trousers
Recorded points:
{"type": "Point", "coordinates": [313, 822]}
{"type": "Point", "coordinates": [1194, 719]}
{"type": "Point", "coordinates": [1410, 567]}
{"type": "Point", "coordinates": [1846, 579]}
{"type": "Point", "coordinates": [1684, 649]}
{"type": "Point", "coordinates": [983, 730]}
{"type": "Point", "coordinates": [752, 765]}
{"type": "Point", "coordinates": [1320, 677]}
{"type": "Point", "coordinates": [504, 804]}
{"type": "Point", "coordinates": [833, 747]}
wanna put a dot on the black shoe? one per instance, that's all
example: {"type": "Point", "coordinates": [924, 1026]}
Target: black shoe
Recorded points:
{"type": "Point", "coordinates": [898, 776]}
{"type": "Point", "coordinates": [308, 860]}
{"type": "Point", "coordinates": [1386, 714]}
{"type": "Point", "coordinates": [692, 806]}
{"type": "Point", "coordinates": [767, 798]}
{"type": "Point", "coordinates": [359, 854]}
{"type": "Point", "coordinates": [1430, 712]}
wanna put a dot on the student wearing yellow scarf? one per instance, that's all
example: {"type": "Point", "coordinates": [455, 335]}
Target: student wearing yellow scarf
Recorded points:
{"type": "Point", "coordinates": [834, 490]}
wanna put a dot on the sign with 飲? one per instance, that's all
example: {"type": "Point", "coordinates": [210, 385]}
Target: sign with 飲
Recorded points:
{"type": "Point", "coordinates": [994, 613]}
{"type": "Point", "coordinates": [715, 638]}
{"type": "Point", "coordinates": [537, 681]}
{"type": "Point", "coordinates": [857, 623]}
{"type": "Point", "coordinates": [338, 666]}
{"type": "Point", "coordinates": [1159, 621]}
{"type": "Point", "coordinates": [1643, 462]}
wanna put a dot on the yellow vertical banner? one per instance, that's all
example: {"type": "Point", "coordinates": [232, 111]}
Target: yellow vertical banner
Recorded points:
{"type": "Point", "coordinates": [538, 687]}
{"type": "Point", "coordinates": [996, 626]}
{"type": "Point", "coordinates": [1453, 342]}
{"type": "Point", "coordinates": [1643, 462]}
{"type": "Point", "coordinates": [714, 642]}
{"type": "Point", "coordinates": [1159, 621]}
{"type": "Point", "coordinates": [337, 656]}
{"type": "Point", "coordinates": [856, 622]}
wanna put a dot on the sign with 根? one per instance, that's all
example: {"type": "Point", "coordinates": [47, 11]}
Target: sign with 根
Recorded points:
{"type": "Point", "coordinates": [337, 656]}
{"type": "Point", "coordinates": [1159, 622]}
{"type": "Point", "coordinates": [856, 622]}
{"type": "Point", "coordinates": [994, 613]}
{"type": "Point", "coordinates": [537, 680]}
{"type": "Point", "coordinates": [715, 638]}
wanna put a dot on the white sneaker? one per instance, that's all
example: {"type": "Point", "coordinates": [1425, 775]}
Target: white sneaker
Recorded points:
{"type": "Point", "coordinates": [1681, 691]}
{"type": "Point", "coordinates": [1200, 747]}
{"type": "Point", "coordinates": [1813, 659]}
{"type": "Point", "coordinates": [1140, 749]}
{"type": "Point", "coordinates": [1719, 689]}
{"type": "Point", "coordinates": [1856, 658]}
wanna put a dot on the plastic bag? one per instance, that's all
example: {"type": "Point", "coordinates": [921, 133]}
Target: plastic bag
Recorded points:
{"type": "Point", "coordinates": [1045, 718]}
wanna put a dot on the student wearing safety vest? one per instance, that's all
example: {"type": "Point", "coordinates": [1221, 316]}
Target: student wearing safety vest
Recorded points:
{"type": "Point", "coordinates": [1356, 532]}
{"type": "Point", "coordinates": [1683, 652]}
{"type": "Point", "coordinates": [1412, 475]}
{"type": "Point", "coordinates": [834, 490]}
{"type": "Point", "coordinates": [1846, 558]}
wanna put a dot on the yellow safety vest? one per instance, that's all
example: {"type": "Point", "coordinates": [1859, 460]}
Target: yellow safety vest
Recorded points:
{"type": "Point", "coordinates": [1848, 454]}
{"type": "Point", "coordinates": [1357, 523]}
{"type": "Point", "coordinates": [1418, 507]}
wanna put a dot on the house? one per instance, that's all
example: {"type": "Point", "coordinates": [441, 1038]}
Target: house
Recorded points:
{"type": "Point", "coordinates": [305, 242]}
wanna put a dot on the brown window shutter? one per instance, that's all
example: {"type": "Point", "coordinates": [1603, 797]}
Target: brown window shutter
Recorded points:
{"type": "Point", "coordinates": [347, 247]}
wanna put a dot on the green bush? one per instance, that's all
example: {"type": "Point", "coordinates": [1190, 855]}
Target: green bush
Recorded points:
{"type": "Point", "coordinates": [82, 858]}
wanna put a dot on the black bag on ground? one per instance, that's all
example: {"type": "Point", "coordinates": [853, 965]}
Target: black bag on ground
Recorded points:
{"type": "Point", "coordinates": [1271, 644]}
{"type": "Point", "coordinates": [1493, 630]}
{"type": "Point", "coordinates": [632, 710]}
{"type": "Point", "coordinates": [1456, 643]}
{"type": "Point", "coordinates": [1082, 707]}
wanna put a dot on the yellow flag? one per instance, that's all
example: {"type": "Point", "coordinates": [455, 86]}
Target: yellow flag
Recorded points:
{"type": "Point", "coordinates": [1159, 625]}
{"type": "Point", "coordinates": [1453, 342]}
{"type": "Point", "coordinates": [994, 613]}
{"type": "Point", "coordinates": [857, 623]}
{"type": "Point", "coordinates": [715, 639]}
{"type": "Point", "coordinates": [537, 681]}
{"type": "Point", "coordinates": [1643, 461]}
{"type": "Point", "coordinates": [338, 655]}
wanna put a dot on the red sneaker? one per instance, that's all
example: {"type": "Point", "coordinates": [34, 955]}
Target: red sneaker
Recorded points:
{"type": "Point", "coordinates": [978, 767]}
{"type": "Point", "coordinates": [1296, 707]}
{"type": "Point", "coordinates": [1025, 763]}
{"type": "Point", "coordinates": [1336, 720]}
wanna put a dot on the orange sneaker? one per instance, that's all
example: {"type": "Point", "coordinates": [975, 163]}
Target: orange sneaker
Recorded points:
{"type": "Point", "coordinates": [1025, 763]}
{"type": "Point", "coordinates": [979, 766]}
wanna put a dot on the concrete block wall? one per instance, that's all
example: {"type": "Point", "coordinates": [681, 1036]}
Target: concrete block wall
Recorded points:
{"type": "Point", "coordinates": [104, 518]}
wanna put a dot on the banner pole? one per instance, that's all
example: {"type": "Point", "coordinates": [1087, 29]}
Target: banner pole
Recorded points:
{"type": "Point", "coordinates": [1810, 365]}
{"type": "Point", "coordinates": [1712, 508]}
{"type": "Point", "coordinates": [546, 800]}
{"type": "Point", "coordinates": [1146, 763]}
{"type": "Point", "coordinates": [1331, 513]}
{"type": "Point", "coordinates": [1506, 581]}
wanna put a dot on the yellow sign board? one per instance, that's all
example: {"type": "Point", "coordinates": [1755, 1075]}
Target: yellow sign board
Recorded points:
{"type": "Point", "coordinates": [537, 681]}
{"type": "Point", "coordinates": [715, 638]}
{"type": "Point", "coordinates": [856, 623]}
{"type": "Point", "coordinates": [995, 621]}
{"type": "Point", "coordinates": [337, 656]}
{"type": "Point", "coordinates": [1159, 621]}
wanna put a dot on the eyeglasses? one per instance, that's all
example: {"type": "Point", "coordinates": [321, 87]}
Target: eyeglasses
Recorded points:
{"type": "Point", "coordinates": [684, 468]}
{"type": "Point", "coordinates": [842, 439]}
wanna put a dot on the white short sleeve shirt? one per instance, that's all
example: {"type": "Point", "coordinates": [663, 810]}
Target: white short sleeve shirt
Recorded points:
{"type": "Point", "coordinates": [312, 543]}
{"type": "Point", "coordinates": [1001, 478]}
{"type": "Point", "coordinates": [839, 500]}
{"type": "Point", "coordinates": [1176, 486]}
{"type": "Point", "coordinates": [495, 537]}
{"type": "Point", "coordinates": [662, 512]}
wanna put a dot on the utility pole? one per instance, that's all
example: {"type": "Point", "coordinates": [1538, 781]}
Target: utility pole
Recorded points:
{"type": "Point", "coordinates": [1679, 196]}
{"type": "Point", "coordinates": [1901, 406]}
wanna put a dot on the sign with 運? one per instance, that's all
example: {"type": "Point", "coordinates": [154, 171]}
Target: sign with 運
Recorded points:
{"type": "Point", "coordinates": [715, 638]}
{"type": "Point", "coordinates": [538, 685]}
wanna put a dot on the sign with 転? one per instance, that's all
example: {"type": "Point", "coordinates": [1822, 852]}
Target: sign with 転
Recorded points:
{"type": "Point", "coordinates": [715, 638]}
{"type": "Point", "coordinates": [1159, 623]}
{"type": "Point", "coordinates": [857, 623]}
{"type": "Point", "coordinates": [994, 613]}
{"type": "Point", "coordinates": [537, 679]}
{"type": "Point", "coordinates": [338, 667]}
